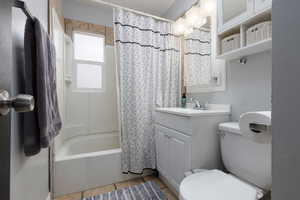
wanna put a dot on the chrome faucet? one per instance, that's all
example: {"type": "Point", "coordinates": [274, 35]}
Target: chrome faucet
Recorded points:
{"type": "Point", "coordinates": [198, 105]}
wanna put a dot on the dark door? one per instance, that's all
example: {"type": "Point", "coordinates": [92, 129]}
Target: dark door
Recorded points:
{"type": "Point", "coordinates": [5, 83]}
{"type": "Point", "coordinates": [21, 177]}
{"type": "Point", "coordinates": [286, 100]}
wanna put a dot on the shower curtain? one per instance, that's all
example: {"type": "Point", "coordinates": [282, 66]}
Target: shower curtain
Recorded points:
{"type": "Point", "coordinates": [148, 59]}
{"type": "Point", "coordinates": [197, 58]}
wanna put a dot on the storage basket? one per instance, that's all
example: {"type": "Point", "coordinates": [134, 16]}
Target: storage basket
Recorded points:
{"type": "Point", "coordinates": [259, 32]}
{"type": "Point", "coordinates": [231, 43]}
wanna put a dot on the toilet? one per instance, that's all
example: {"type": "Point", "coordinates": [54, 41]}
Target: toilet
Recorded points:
{"type": "Point", "coordinates": [249, 170]}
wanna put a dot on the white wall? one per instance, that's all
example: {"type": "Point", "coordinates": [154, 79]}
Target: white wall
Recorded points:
{"type": "Point", "coordinates": [92, 13]}
{"type": "Point", "coordinates": [29, 175]}
{"type": "Point", "coordinates": [248, 87]}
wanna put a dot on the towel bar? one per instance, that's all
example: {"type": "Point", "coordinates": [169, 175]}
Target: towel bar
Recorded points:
{"type": "Point", "coordinates": [23, 7]}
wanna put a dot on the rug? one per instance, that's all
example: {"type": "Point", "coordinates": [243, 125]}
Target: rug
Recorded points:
{"type": "Point", "coordinates": [145, 191]}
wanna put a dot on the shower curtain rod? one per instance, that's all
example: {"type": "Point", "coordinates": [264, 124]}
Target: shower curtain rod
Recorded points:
{"type": "Point", "coordinates": [128, 9]}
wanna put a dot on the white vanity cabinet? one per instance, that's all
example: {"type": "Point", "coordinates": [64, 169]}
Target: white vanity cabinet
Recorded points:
{"type": "Point", "coordinates": [261, 5]}
{"type": "Point", "coordinates": [187, 139]}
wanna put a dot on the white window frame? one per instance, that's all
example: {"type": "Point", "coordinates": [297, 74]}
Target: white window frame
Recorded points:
{"type": "Point", "coordinates": [78, 61]}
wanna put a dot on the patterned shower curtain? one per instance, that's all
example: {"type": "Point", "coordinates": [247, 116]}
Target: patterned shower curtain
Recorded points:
{"type": "Point", "coordinates": [197, 58]}
{"type": "Point", "coordinates": [148, 65]}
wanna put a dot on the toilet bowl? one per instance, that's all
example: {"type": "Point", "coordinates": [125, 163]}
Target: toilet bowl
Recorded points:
{"type": "Point", "coordinates": [248, 164]}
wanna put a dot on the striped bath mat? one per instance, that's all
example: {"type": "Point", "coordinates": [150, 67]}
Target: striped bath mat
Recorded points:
{"type": "Point", "coordinates": [144, 191]}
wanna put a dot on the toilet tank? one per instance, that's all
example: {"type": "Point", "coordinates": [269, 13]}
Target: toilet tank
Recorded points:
{"type": "Point", "coordinates": [246, 159]}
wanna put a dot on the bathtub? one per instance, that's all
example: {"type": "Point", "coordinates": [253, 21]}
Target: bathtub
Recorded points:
{"type": "Point", "coordinates": [86, 162]}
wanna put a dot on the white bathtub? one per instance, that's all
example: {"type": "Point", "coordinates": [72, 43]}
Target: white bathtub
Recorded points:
{"type": "Point", "coordinates": [87, 162]}
{"type": "Point", "coordinates": [88, 146]}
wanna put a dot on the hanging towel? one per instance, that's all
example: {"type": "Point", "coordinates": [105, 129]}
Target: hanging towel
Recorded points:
{"type": "Point", "coordinates": [31, 135]}
{"type": "Point", "coordinates": [49, 119]}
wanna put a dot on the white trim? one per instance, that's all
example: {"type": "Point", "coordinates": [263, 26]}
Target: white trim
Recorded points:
{"type": "Point", "coordinates": [128, 9]}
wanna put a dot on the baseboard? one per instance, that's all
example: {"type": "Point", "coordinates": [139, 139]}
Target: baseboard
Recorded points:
{"type": "Point", "coordinates": [169, 185]}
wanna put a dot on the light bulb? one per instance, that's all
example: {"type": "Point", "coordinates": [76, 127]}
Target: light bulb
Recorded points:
{"type": "Point", "coordinates": [202, 21]}
{"type": "Point", "coordinates": [188, 31]}
{"type": "Point", "coordinates": [208, 6]}
{"type": "Point", "coordinates": [180, 26]}
{"type": "Point", "coordinates": [203, 12]}
{"type": "Point", "coordinates": [192, 16]}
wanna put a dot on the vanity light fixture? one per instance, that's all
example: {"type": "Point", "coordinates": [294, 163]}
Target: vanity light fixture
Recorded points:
{"type": "Point", "coordinates": [180, 26]}
{"type": "Point", "coordinates": [208, 6]}
{"type": "Point", "coordinates": [188, 30]}
{"type": "Point", "coordinates": [192, 16]}
{"type": "Point", "coordinates": [195, 17]}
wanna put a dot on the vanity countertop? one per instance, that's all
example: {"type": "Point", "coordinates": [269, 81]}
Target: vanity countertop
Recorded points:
{"type": "Point", "coordinates": [213, 109]}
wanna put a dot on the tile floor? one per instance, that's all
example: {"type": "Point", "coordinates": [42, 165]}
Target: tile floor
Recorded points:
{"type": "Point", "coordinates": [109, 188]}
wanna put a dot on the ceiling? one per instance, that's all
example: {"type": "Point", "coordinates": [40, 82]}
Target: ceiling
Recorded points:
{"type": "Point", "coordinates": [154, 7]}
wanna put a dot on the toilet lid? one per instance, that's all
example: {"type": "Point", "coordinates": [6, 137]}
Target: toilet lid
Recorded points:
{"type": "Point", "coordinates": [216, 185]}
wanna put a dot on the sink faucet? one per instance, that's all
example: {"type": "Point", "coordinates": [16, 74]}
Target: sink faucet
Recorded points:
{"type": "Point", "coordinates": [198, 105]}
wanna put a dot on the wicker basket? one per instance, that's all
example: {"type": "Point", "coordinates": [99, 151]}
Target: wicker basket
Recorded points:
{"type": "Point", "coordinates": [231, 43]}
{"type": "Point", "coordinates": [259, 32]}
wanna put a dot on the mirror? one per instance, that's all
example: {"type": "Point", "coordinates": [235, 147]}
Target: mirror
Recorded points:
{"type": "Point", "coordinates": [233, 8]}
{"type": "Point", "coordinates": [197, 56]}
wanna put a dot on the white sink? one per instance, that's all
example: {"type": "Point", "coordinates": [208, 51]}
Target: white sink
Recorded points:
{"type": "Point", "coordinates": [213, 109]}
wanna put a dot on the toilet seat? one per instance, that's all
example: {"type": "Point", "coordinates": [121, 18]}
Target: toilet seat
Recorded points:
{"type": "Point", "coordinates": [216, 185]}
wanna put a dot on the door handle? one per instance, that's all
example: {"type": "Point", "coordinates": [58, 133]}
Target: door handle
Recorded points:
{"type": "Point", "coordinates": [20, 103]}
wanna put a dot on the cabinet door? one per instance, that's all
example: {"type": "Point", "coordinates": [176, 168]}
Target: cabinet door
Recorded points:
{"type": "Point", "coordinates": [179, 156]}
{"type": "Point", "coordinates": [162, 144]}
{"type": "Point", "coordinates": [173, 154]}
{"type": "Point", "coordinates": [177, 160]}
{"type": "Point", "coordinates": [262, 5]}
{"type": "Point", "coordinates": [233, 12]}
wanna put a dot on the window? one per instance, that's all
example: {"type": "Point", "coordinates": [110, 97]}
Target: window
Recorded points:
{"type": "Point", "coordinates": [89, 60]}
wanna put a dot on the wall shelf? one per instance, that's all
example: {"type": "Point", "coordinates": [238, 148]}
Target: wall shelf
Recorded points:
{"type": "Point", "coordinates": [264, 14]}
{"type": "Point", "coordinates": [251, 49]}
{"type": "Point", "coordinates": [241, 28]}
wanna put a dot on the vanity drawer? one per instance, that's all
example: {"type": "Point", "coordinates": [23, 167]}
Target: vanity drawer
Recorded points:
{"type": "Point", "coordinates": [176, 122]}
